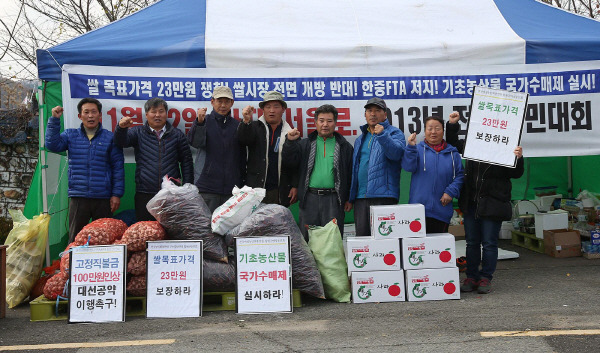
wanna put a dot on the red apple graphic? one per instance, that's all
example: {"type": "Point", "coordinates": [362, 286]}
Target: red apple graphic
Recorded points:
{"type": "Point", "coordinates": [415, 225]}
{"type": "Point", "coordinates": [394, 290]}
{"type": "Point", "coordinates": [389, 259]}
{"type": "Point", "coordinates": [445, 255]}
{"type": "Point", "coordinates": [449, 288]}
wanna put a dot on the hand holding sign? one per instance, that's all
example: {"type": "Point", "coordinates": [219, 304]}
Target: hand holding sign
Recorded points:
{"type": "Point", "coordinates": [519, 151]}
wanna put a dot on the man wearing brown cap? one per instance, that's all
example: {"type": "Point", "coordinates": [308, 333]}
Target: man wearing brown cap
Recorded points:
{"type": "Point", "coordinates": [376, 164]}
{"type": "Point", "coordinates": [264, 138]}
{"type": "Point", "coordinates": [214, 135]}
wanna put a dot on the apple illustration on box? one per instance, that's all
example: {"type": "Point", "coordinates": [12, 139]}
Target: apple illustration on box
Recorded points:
{"type": "Point", "coordinates": [415, 225]}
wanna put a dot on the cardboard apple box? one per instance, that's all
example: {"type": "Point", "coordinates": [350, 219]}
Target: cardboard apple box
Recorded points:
{"type": "Point", "coordinates": [398, 221]}
{"type": "Point", "coordinates": [433, 251]}
{"type": "Point", "coordinates": [432, 284]}
{"type": "Point", "coordinates": [368, 254]}
{"type": "Point", "coordinates": [378, 286]}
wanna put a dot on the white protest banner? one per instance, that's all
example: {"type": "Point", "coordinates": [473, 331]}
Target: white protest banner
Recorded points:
{"type": "Point", "coordinates": [97, 283]}
{"type": "Point", "coordinates": [174, 273]}
{"type": "Point", "coordinates": [264, 275]}
{"type": "Point", "coordinates": [494, 128]}
{"type": "Point", "coordinates": [562, 116]}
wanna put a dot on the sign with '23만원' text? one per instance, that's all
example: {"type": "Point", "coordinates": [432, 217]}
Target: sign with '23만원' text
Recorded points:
{"type": "Point", "coordinates": [494, 129]}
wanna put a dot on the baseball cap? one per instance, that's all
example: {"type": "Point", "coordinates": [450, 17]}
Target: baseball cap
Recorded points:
{"type": "Point", "coordinates": [272, 96]}
{"type": "Point", "coordinates": [376, 101]}
{"type": "Point", "coordinates": [222, 91]}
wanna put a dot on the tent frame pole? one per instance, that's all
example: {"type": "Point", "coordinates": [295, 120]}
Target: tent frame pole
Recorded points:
{"type": "Point", "coordinates": [570, 176]}
{"type": "Point", "coordinates": [42, 159]}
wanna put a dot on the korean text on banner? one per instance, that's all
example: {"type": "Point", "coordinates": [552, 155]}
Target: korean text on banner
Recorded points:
{"type": "Point", "coordinates": [494, 128]}
{"type": "Point", "coordinates": [560, 116]}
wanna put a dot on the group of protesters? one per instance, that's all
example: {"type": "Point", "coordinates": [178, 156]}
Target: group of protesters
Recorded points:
{"type": "Point", "coordinates": [323, 172]}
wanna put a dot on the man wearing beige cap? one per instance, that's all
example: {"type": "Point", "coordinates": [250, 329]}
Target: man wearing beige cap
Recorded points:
{"type": "Point", "coordinates": [264, 138]}
{"type": "Point", "coordinates": [214, 136]}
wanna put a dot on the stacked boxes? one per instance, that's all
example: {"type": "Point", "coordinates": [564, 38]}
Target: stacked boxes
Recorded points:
{"type": "Point", "coordinates": [430, 267]}
{"type": "Point", "coordinates": [399, 261]}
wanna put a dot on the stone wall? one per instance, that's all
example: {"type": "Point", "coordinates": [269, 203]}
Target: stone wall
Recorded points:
{"type": "Point", "coordinates": [17, 165]}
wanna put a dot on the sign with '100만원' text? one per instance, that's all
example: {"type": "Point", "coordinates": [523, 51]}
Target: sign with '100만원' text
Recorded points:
{"type": "Point", "coordinates": [97, 283]}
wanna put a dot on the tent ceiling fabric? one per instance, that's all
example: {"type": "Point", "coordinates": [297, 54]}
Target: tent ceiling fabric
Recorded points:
{"type": "Point", "coordinates": [169, 33]}
{"type": "Point", "coordinates": [331, 34]}
{"type": "Point", "coordinates": [353, 33]}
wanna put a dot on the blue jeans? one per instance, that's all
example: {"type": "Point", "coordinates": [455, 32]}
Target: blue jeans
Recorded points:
{"type": "Point", "coordinates": [481, 232]}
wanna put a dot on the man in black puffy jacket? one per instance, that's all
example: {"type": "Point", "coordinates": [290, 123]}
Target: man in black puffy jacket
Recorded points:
{"type": "Point", "coordinates": [160, 149]}
{"type": "Point", "coordinates": [325, 162]}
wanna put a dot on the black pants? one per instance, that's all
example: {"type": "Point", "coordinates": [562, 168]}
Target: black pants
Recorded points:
{"type": "Point", "coordinates": [319, 210]}
{"type": "Point", "coordinates": [141, 212]}
{"type": "Point", "coordinates": [214, 200]}
{"type": "Point", "coordinates": [81, 209]}
{"type": "Point", "coordinates": [433, 225]}
{"type": "Point", "coordinates": [362, 213]}
{"type": "Point", "coordinates": [272, 197]}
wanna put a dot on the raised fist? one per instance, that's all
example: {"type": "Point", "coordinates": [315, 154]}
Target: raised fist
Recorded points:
{"type": "Point", "coordinates": [454, 117]}
{"type": "Point", "coordinates": [57, 111]}
{"type": "Point", "coordinates": [293, 134]}
{"type": "Point", "coordinates": [412, 139]}
{"type": "Point", "coordinates": [201, 115]}
{"type": "Point", "coordinates": [125, 122]}
{"type": "Point", "coordinates": [247, 113]}
{"type": "Point", "coordinates": [378, 129]}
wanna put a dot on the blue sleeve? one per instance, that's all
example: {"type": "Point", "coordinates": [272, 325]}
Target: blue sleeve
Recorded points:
{"type": "Point", "coordinates": [455, 186]}
{"type": "Point", "coordinates": [410, 160]}
{"type": "Point", "coordinates": [117, 162]}
{"type": "Point", "coordinates": [392, 141]}
{"type": "Point", "coordinates": [55, 141]}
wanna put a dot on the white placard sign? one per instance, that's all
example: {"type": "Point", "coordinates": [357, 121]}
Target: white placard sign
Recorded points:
{"type": "Point", "coordinates": [494, 128]}
{"type": "Point", "coordinates": [264, 275]}
{"type": "Point", "coordinates": [174, 273]}
{"type": "Point", "coordinates": [97, 283]}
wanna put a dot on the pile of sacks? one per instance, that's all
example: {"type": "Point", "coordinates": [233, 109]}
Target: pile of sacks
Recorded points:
{"type": "Point", "coordinates": [182, 214]}
{"type": "Point", "coordinates": [107, 231]}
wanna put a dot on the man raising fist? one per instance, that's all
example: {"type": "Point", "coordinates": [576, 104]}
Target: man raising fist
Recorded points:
{"type": "Point", "coordinates": [325, 176]}
{"type": "Point", "coordinates": [96, 174]}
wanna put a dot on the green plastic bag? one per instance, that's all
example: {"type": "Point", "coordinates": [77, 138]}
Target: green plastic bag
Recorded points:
{"type": "Point", "coordinates": [328, 250]}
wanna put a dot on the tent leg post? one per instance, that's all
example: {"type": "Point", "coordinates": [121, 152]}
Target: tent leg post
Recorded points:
{"type": "Point", "coordinates": [570, 176]}
{"type": "Point", "coordinates": [42, 160]}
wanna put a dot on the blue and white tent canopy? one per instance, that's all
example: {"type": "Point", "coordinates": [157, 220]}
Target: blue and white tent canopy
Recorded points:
{"type": "Point", "coordinates": [331, 34]}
